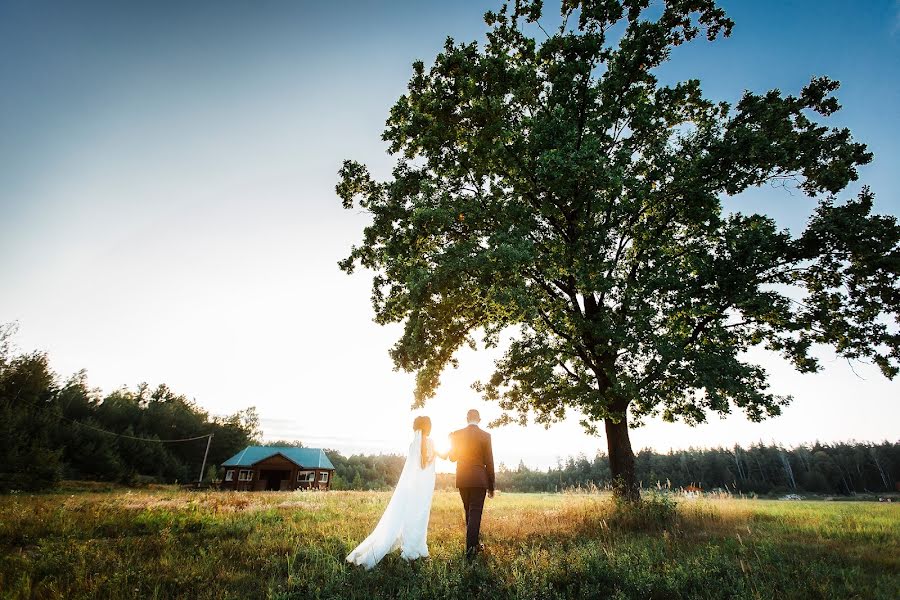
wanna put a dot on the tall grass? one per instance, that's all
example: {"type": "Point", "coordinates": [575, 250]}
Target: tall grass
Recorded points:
{"type": "Point", "coordinates": [172, 544]}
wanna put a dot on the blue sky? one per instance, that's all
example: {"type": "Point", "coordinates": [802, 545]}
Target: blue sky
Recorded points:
{"type": "Point", "coordinates": [167, 207]}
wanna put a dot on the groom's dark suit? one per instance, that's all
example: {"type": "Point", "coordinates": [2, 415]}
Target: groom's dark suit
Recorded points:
{"type": "Point", "coordinates": [471, 449]}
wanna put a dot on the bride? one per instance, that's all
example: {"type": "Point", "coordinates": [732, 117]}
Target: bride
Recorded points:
{"type": "Point", "coordinates": [404, 524]}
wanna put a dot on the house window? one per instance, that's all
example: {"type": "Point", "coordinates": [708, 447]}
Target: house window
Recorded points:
{"type": "Point", "coordinates": [323, 477]}
{"type": "Point", "coordinates": [245, 475]}
{"type": "Point", "coordinates": [306, 476]}
{"type": "Point", "coordinates": [229, 475]}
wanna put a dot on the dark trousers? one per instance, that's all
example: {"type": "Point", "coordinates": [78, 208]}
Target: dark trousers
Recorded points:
{"type": "Point", "coordinates": [473, 503]}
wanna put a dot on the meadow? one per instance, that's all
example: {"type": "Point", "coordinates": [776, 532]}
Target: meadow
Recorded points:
{"type": "Point", "coordinates": [166, 543]}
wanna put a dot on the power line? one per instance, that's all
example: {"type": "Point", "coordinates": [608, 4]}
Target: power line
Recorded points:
{"type": "Point", "coordinates": [131, 437]}
{"type": "Point", "coordinates": [209, 437]}
{"type": "Point", "coordinates": [120, 435]}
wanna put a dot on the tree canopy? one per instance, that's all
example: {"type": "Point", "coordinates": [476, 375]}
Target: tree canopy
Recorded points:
{"type": "Point", "coordinates": [555, 190]}
{"type": "Point", "coordinates": [54, 429]}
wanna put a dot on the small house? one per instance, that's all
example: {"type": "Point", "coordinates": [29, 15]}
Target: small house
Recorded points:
{"type": "Point", "coordinates": [278, 468]}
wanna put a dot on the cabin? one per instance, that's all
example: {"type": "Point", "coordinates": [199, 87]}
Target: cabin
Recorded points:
{"type": "Point", "coordinates": [257, 468]}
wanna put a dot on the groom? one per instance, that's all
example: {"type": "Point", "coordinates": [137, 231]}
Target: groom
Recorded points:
{"type": "Point", "coordinates": [470, 449]}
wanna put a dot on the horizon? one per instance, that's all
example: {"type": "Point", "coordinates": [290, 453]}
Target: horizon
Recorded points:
{"type": "Point", "coordinates": [448, 468]}
{"type": "Point", "coordinates": [168, 215]}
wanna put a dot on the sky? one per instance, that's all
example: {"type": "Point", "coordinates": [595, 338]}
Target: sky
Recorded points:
{"type": "Point", "coordinates": [168, 214]}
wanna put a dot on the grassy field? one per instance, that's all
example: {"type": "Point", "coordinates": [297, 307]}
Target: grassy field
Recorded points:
{"type": "Point", "coordinates": [171, 544]}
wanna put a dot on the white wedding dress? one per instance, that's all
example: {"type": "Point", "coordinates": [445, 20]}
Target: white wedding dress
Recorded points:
{"type": "Point", "coordinates": [404, 524]}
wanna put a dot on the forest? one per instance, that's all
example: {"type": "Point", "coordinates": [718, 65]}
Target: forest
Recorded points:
{"type": "Point", "coordinates": [53, 430]}
{"type": "Point", "coordinates": [830, 469]}
{"type": "Point", "coordinates": [841, 468]}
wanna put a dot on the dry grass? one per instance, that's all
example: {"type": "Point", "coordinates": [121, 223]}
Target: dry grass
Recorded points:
{"type": "Point", "coordinates": [166, 543]}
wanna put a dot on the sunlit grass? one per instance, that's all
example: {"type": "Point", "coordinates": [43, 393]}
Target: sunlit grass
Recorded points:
{"type": "Point", "coordinates": [165, 543]}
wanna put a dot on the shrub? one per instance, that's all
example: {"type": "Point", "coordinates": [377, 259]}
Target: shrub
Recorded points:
{"type": "Point", "coordinates": [653, 512]}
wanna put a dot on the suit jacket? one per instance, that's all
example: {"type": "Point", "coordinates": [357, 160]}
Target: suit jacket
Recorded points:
{"type": "Point", "coordinates": [470, 448]}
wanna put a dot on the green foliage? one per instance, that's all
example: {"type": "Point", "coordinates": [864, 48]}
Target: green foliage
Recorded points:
{"type": "Point", "coordinates": [28, 460]}
{"type": "Point", "coordinates": [654, 512]}
{"type": "Point", "coordinates": [286, 444]}
{"type": "Point", "coordinates": [365, 472]}
{"type": "Point", "coordinates": [556, 192]}
{"type": "Point", "coordinates": [835, 469]}
{"type": "Point", "coordinates": [52, 429]}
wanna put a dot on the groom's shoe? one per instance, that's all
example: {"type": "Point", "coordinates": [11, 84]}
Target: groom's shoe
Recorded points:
{"type": "Point", "coordinates": [472, 553]}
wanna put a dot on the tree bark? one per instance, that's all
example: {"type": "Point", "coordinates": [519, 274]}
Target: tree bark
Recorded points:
{"type": "Point", "coordinates": [874, 453]}
{"type": "Point", "coordinates": [621, 460]}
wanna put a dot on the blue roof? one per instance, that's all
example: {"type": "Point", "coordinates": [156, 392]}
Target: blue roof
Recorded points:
{"type": "Point", "coordinates": [309, 458]}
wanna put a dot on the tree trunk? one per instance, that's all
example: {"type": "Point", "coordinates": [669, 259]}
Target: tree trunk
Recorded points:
{"type": "Point", "coordinates": [787, 469]}
{"type": "Point", "coordinates": [874, 454]}
{"type": "Point", "coordinates": [621, 460]}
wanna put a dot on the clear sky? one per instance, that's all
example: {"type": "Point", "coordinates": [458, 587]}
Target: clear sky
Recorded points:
{"type": "Point", "coordinates": [167, 206]}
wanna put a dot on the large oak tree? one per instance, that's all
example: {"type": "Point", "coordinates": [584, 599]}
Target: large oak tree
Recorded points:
{"type": "Point", "coordinates": [554, 190]}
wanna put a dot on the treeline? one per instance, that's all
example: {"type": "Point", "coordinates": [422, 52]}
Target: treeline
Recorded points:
{"type": "Point", "coordinates": [52, 430]}
{"type": "Point", "coordinates": [365, 472]}
{"type": "Point", "coordinates": [843, 468]}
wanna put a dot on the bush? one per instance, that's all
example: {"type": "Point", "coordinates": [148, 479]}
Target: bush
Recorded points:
{"type": "Point", "coordinates": [136, 480]}
{"type": "Point", "coordinates": [653, 512]}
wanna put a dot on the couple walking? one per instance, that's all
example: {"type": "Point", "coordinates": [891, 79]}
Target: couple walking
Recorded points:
{"type": "Point", "coordinates": [404, 524]}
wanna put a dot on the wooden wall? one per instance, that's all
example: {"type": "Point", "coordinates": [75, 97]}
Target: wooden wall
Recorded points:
{"type": "Point", "coordinates": [275, 463]}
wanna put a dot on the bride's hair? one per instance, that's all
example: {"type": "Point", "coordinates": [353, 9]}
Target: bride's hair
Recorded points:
{"type": "Point", "coordinates": [422, 424]}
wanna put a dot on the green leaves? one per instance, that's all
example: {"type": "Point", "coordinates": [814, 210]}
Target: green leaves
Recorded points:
{"type": "Point", "coordinates": [771, 138]}
{"type": "Point", "coordinates": [851, 272]}
{"type": "Point", "coordinates": [355, 181]}
{"type": "Point", "coordinates": [557, 192]}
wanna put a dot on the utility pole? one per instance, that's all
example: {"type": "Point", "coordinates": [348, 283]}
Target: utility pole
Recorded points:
{"type": "Point", "coordinates": [205, 454]}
